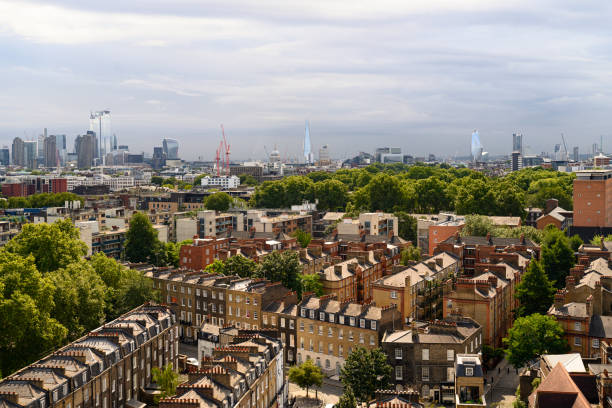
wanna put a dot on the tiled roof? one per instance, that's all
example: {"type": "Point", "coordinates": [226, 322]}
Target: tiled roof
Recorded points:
{"type": "Point", "coordinates": [573, 309]}
{"type": "Point", "coordinates": [559, 391]}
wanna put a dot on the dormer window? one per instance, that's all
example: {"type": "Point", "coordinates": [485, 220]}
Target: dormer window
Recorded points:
{"type": "Point", "coordinates": [322, 316]}
{"type": "Point", "coordinates": [331, 318]}
{"type": "Point", "coordinates": [362, 323]}
{"type": "Point", "coordinates": [352, 321]}
{"type": "Point", "coordinates": [303, 312]}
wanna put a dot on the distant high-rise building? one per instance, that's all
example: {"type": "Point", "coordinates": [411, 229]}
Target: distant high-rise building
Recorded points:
{"type": "Point", "coordinates": [4, 156]}
{"type": "Point", "coordinates": [50, 148]}
{"type": "Point", "coordinates": [30, 152]}
{"type": "Point", "coordinates": [100, 123]}
{"type": "Point", "coordinates": [595, 149]}
{"type": "Point", "coordinates": [84, 147]}
{"type": "Point", "coordinates": [476, 147]}
{"type": "Point", "coordinates": [308, 156]}
{"type": "Point", "coordinates": [18, 159]}
{"type": "Point", "coordinates": [389, 155]}
{"type": "Point", "coordinates": [576, 154]}
{"type": "Point", "coordinates": [170, 148]}
{"type": "Point", "coordinates": [324, 156]}
{"type": "Point", "coordinates": [114, 146]}
{"type": "Point", "coordinates": [40, 146]}
{"type": "Point", "coordinates": [159, 158]}
{"type": "Point", "coordinates": [517, 143]}
{"type": "Point", "coordinates": [517, 161]}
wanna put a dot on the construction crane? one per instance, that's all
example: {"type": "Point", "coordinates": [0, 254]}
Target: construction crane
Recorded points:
{"type": "Point", "coordinates": [218, 157]}
{"type": "Point", "coordinates": [565, 147]}
{"type": "Point", "coordinates": [226, 147]}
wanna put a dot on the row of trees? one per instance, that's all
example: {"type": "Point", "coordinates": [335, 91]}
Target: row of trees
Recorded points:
{"type": "Point", "coordinates": [40, 200]}
{"type": "Point", "coordinates": [419, 189]}
{"type": "Point", "coordinates": [51, 294]}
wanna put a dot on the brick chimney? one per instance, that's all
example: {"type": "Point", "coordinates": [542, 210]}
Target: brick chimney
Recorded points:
{"type": "Point", "coordinates": [589, 306]}
{"type": "Point", "coordinates": [559, 299]}
{"type": "Point", "coordinates": [570, 282]}
{"type": "Point", "coordinates": [10, 396]}
{"type": "Point", "coordinates": [493, 281]}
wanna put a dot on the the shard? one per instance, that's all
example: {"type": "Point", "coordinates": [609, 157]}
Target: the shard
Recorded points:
{"type": "Point", "coordinates": [476, 147]}
{"type": "Point", "coordinates": [308, 156]}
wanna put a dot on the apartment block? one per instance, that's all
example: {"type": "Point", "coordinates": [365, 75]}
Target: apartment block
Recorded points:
{"type": "Point", "coordinates": [423, 357]}
{"type": "Point", "coordinates": [282, 316]}
{"type": "Point", "coordinates": [376, 223]}
{"type": "Point", "coordinates": [109, 367]}
{"type": "Point", "coordinates": [201, 253]}
{"type": "Point", "coordinates": [416, 289]}
{"type": "Point", "coordinates": [593, 198]}
{"type": "Point", "coordinates": [246, 298]}
{"type": "Point", "coordinates": [328, 329]}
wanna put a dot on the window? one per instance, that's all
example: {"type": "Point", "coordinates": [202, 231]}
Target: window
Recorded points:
{"type": "Point", "coordinates": [577, 341]}
{"type": "Point", "coordinates": [352, 321]}
{"type": "Point", "coordinates": [303, 312]}
{"type": "Point", "coordinates": [469, 371]}
{"type": "Point", "coordinates": [595, 343]}
{"type": "Point", "coordinates": [425, 373]}
{"type": "Point", "coordinates": [450, 374]}
{"type": "Point", "coordinates": [450, 355]}
{"type": "Point", "coordinates": [398, 373]}
{"type": "Point", "coordinates": [361, 338]}
{"type": "Point", "coordinates": [340, 350]}
{"type": "Point", "coordinates": [330, 349]}
{"type": "Point", "coordinates": [322, 316]}
{"type": "Point", "coordinates": [350, 335]}
{"type": "Point", "coordinates": [331, 318]}
{"type": "Point", "coordinates": [398, 353]}
{"type": "Point", "coordinates": [220, 295]}
{"type": "Point", "coordinates": [362, 323]}
{"type": "Point", "coordinates": [320, 330]}
{"type": "Point", "coordinates": [371, 340]}
{"type": "Point", "coordinates": [425, 356]}
{"type": "Point", "coordinates": [312, 314]}
{"type": "Point", "coordinates": [577, 326]}
{"type": "Point", "coordinates": [282, 322]}
{"type": "Point", "coordinates": [330, 332]}
{"type": "Point", "coordinates": [248, 300]}
{"type": "Point", "coordinates": [373, 324]}
{"type": "Point", "coordinates": [341, 318]}
{"type": "Point", "coordinates": [310, 328]}
{"type": "Point", "coordinates": [393, 294]}
{"type": "Point", "coordinates": [340, 334]}
{"type": "Point", "coordinates": [265, 319]}
{"type": "Point", "coordinates": [301, 326]}
{"type": "Point", "coordinates": [292, 324]}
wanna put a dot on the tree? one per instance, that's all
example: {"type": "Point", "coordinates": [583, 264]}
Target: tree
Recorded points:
{"type": "Point", "coordinates": [297, 190]}
{"type": "Point", "coordinates": [248, 180]}
{"type": "Point", "coordinates": [282, 267]}
{"type": "Point", "coordinates": [407, 226]}
{"type": "Point", "coordinates": [26, 303]}
{"type": "Point", "coordinates": [219, 201]}
{"type": "Point", "coordinates": [412, 253]}
{"type": "Point", "coordinates": [241, 266]}
{"type": "Point", "coordinates": [332, 195]}
{"type": "Point", "coordinates": [476, 226]}
{"type": "Point", "coordinates": [142, 243]}
{"type": "Point", "coordinates": [306, 375]}
{"type": "Point", "coordinates": [53, 246]}
{"type": "Point", "coordinates": [303, 238]}
{"type": "Point", "coordinates": [217, 267]}
{"type": "Point", "coordinates": [167, 379]}
{"type": "Point", "coordinates": [366, 371]}
{"type": "Point", "coordinates": [347, 399]}
{"type": "Point", "coordinates": [312, 283]}
{"type": "Point", "coordinates": [79, 298]}
{"type": "Point", "coordinates": [535, 292]}
{"type": "Point", "coordinates": [534, 335]}
{"type": "Point", "coordinates": [556, 255]}
{"type": "Point", "coordinates": [157, 180]}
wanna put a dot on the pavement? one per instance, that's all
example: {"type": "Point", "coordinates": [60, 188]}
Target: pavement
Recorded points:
{"type": "Point", "coordinates": [505, 382]}
{"type": "Point", "coordinates": [329, 392]}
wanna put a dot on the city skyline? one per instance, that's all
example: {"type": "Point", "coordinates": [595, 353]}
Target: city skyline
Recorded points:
{"type": "Point", "coordinates": [419, 76]}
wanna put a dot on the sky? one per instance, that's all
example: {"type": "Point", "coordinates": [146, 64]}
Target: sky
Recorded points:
{"type": "Point", "coordinates": [418, 74]}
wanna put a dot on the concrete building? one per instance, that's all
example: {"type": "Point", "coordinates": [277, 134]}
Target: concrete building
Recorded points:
{"type": "Point", "coordinates": [18, 152]}
{"type": "Point", "coordinates": [593, 198]}
{"type": "Point", "coordinates": [328, 330]}
{"type": "Point", "coordinates": [376, 223]}
{"type": "Point", "coordinates": [51, 155]}
{"type": "Point", "coordinates": [109, 367]}
{"type": "Point", "coordinates": [423, 357]}
{"type": "Point", "coordinates": [223, 182]}
{"type": "Point", "coordinates": [85, 147]}
{"type": "Point", "coordinates": [29, 152]}
{"type": "Point", "coordinates": [517, 161]}
{"type": "Point", "coordinates": [389, 155]}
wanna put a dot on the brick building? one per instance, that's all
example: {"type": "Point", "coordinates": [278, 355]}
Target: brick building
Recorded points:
{"type": "Point", "coordinates": [593, 198]}
{"type": "Point", "coordinates": [246, 372]}
{"type": "Point", "coordinates": [109, 367]}
{"type": "Point", "coordinates": [282, 316]}
{"type": "Point", "coordinates": [35, 185]}
{"type": "Point", "coordinates": [423, 357]}
{"type": "Point", "coordinates": [327, 330]}
{"type": "Point", "coordinates": [201, 253]}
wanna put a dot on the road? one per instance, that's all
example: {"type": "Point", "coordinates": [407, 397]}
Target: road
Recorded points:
{"type": "Point", "coordinates": [505, 382]}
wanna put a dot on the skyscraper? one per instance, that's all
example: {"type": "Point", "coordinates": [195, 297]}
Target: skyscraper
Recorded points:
{"type": "Point", "coordinates": [308, 157]}
{"type": "Point", "coordinates": [30, 152]}
{"type": "Point", "coordinates": [476, 147]}
{"type": "Point", "coordinates": [18, 152]}
{"type": "Point", "coordinates": [84, 147]}
{"type": "Point", "coordinates": [517, 143]}
{"type": "Point", "coordinates": [50, 148]}
{"type": "Point", "coordinates": [576, 154]}
{"type": "Point", "coordinates": [171, 148]}
{"type": "Point", "coordinates": [159, 158]}
{"type": "Point", "coordinates": [517, 161]}
{"type": "Point", "coordinates": [100, 123]}
{"type": "Point", "coordinates": [4, 156]}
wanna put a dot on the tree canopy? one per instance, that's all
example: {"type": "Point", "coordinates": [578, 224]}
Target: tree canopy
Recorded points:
{"type": "Point", "coordinates": [535, 292]}
{"type": "Point", "coordinates": [218, 201]}
{"type": "Point", "coordinates": [419, 189]}
{"type": "Point", "coordinates": [142, 242]}
{"type": "Point", "coordinates": [306, 375]}
{"type": "Point", "coordinates": [303, 238]}
{"type": "Point", "coordinates": [366, 371]}
{"type": "Point", "coordinates": [534, 335]}
{"type": "Point", "coordinates": [282, 267]}
{"type": "Point", "coordinates": [556, 255]}
{"type": "Point", "coordinates": [312, 283]}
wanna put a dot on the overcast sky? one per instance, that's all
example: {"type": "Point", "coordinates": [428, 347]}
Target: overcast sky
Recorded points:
{"type": "Point", "coordinates": [418, 74]}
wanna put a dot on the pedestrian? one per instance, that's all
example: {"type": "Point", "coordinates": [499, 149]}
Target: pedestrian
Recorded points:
{"type": "Point", "coordinates": [508, 370]}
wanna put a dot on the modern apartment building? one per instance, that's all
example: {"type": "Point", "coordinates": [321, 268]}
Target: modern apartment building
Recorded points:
{"type": "Point", "coordinates": [109, 367]}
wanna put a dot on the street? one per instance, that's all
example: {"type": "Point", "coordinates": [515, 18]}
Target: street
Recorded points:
{"type": "Point", "coordinates": [505, 382]}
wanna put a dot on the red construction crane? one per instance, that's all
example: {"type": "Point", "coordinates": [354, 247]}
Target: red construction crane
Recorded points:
{"type": "Point", "coordinates": [226, 147]}
{"type": "Point", "coordinates": [219, 153]}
